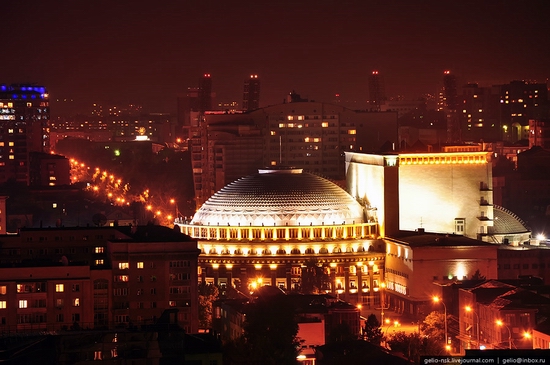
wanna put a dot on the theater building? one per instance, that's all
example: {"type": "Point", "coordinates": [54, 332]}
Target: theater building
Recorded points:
{"type": "Point", "coordinates": [263, 228]}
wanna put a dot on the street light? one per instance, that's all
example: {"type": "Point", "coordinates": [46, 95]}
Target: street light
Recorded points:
{"type": "Point", "coordinates": [469, 309]}
{"type": "Point", "coordinates": [500, 324]}
{"type": "Point", "coordinates": [395, 324]}
{"type": "Point", "coordinates": [436, 299]}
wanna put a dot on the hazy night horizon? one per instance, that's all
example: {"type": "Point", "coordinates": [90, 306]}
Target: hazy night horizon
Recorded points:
{"type": "Point", "coordinates": [149, 52]}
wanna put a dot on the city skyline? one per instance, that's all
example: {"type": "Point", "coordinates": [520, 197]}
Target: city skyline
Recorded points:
{"type": "Point", "coordinates": [148, 53]}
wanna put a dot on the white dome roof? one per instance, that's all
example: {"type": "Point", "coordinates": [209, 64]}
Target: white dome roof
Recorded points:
{"type": "Point", "coordinates": [280, 197]}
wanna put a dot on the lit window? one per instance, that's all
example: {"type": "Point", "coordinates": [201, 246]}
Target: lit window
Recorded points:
{"type": "Point", "coordinates": [123, 265]}
{"type": "Point", "coordinates": [352, 131]}
{"type": "Point", "coordinates": [11, 144]}
{"type": "Point", "coordinates": [99, 249]}
{"type": "Point", "coordinates": [140, 265]}
{"type": "Point", "coordinates": [324, 124]}
{"type": "Point", "coordinates": [281, 125]}
{"type": "Point", "coordinates": [52, 178]}
{"type": "Point", "coordinates": [290, 117]}
{"type": "Point", "coordinates": [273, 133]}
{"type": "Point", "coordinates": [2, 304]}
{"type": "Point", "coordinates": [2, 290]}
{"type": "Point", "coordinates": [76, 302]}
{"type": "Point", "coordinates": [300, 117]}
{"type": "Point", "coordinates": [22, 304]}
{"type": "Point", "coordinates": [12, 157]}
{"type": "Point", "coordinates": [171, 303]}
{"type": "Point", "coordinates": [121, 278]}
{"type": "Point", "coordinates": [54, 205]}
{"type": "Point", "coordinates": [59, 288]}
{"type": "Point", "coordinates": [10, 131]}
{"type": "Point", "coordinates": [99, 262]}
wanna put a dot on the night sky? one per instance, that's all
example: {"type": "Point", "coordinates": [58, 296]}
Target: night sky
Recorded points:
{"type": "Point", "coordinates": [149, 51]}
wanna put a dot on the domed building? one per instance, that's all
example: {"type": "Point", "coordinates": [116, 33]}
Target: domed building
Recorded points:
{"type": "Point", "coordinates": [263, 228]}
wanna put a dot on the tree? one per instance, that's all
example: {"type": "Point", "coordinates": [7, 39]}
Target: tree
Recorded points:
{"type": "Point", "coordinates": [433, 326]}
{"type": "Point", "coordinates": [413, 345]}
{"type": "Point", "coordinates": [208, 293]}
{"type": "Point", "coordinates": [314, 277]}
{"type": "Point", "coordinates": [270, 331]}
{"type": "Point", "coordinates": [477, 275]}
{"type": "Point", "coordinates": [372, 331]}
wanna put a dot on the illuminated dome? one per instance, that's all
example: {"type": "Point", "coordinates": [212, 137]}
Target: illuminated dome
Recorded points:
{"type": "Point", "coordinates": [279, 197]}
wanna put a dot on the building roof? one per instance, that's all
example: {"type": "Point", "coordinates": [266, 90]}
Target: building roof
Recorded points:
{"type": "Point", "coordinates": [152, 233]}
{"type": "Point", "coordinates": [426, 239]}
{"type": "Point", "coordinates": [506, 222]}
{"type": "Point", "coordinates": [503, 296]}
{"type": "Point", "coordinates": [284, 196]}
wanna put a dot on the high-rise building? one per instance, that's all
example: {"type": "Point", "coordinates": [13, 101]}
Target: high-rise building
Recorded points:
{"type": "Point", "coordinates": [24, 128]}
{"type": "Point", "coordinates": [205, 93]}
{"type": "Point", "coordinates": [376, 91]}
{"type": "Point", "coordinates": [521, 101]}
{"type": "Point", "coordinates": [251, 94]}
{"type": "Point", "coordinates": [450, 106]}
{"type": "Point", "coordinates": [479, 113]}
{"type": "Point", "coordinates": [303, 134]}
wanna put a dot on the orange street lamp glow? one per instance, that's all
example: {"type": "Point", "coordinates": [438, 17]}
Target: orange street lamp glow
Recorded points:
{"type": "Point", "coordinates": [149, 207]}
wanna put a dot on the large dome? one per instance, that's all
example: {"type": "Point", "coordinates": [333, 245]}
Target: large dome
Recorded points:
{"type": "Point", "coordinates": [280, 197]}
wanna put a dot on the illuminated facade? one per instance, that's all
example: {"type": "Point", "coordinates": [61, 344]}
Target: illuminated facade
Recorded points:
{"type": "Point", "coordinates": [24, 128]}
{"type": "Point", "coordinates": [261, 229]}
{"type": "Point", "coordinates": [419, 264]}
{"type": "Point", "coordinates": [446, 194]}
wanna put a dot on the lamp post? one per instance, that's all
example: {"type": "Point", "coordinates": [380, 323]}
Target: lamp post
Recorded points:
{"type": "Point", "coordinates": [382, 301]}
{"type": "Point", "coordinates": [395, 324]}
{"type": "Point", "coordinates": [438, 300]}
{"type": "Point", "coordinates": [469, 309]}
{"type": "Point", "coordinates": [500, 324]}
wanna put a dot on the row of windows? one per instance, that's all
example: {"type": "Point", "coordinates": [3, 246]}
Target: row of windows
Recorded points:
{"type": "Point", "coordinates": [523, 266]}
{"type": "Point", "coordinates": [39, 303]}
{"type": "Point", "coordinates": [396, 272]}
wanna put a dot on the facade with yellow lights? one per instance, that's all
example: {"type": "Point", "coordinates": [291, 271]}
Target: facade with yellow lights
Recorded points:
{"type": "Point", "coordinates": [447, 193]}
{"type": "Point", "coordinates": [261, 230]}
{"type": "Point", "coordinates": [437, 218]}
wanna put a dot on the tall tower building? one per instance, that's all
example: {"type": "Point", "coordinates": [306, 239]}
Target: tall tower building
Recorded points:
{"type": "Point", "coordinates": [251, 95]}
{"type": "Point", "coordinates": [450, 106]}
{"type": "Point", "coordinates": [205, 93]}
{"type": "Point", "coordinates": [376, 91]}
{"type": "Point", "coordinates": [24, 128]}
